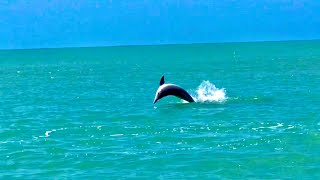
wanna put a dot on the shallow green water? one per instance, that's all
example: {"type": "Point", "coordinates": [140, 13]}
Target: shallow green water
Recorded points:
{"type": "Point", "coordinates": [88, 113]}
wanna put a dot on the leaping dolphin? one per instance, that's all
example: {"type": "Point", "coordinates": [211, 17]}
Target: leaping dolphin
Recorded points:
{"type": "Point", "coordinates": [171, 89]}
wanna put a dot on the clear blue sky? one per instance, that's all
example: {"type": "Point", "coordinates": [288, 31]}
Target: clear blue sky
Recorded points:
{"type": "Point", "coordinates": [65, 23]}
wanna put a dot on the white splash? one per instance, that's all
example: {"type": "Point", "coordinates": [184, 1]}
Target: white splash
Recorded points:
{"type": "Point", "coordinates": [207, 92]}
{"type": "Point", "coordinates": [48, 132]}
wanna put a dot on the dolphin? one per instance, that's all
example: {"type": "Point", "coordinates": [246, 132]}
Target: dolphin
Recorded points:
{"type": "Point", "coordinates": [171, 89]}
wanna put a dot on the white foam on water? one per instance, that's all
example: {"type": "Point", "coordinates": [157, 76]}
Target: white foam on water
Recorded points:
{"type": "Point", "coordinates": [208, 92]}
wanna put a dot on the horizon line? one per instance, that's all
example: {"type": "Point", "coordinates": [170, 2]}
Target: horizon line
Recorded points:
{"type": "Point", "coordinates": [157, 44]}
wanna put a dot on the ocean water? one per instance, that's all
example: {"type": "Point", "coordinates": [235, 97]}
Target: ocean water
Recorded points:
{"type": "Point", "coordinates": [88, 113]}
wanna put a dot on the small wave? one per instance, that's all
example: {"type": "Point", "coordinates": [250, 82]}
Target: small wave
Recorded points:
{"type": "Point", "coordinates": [207, 92]}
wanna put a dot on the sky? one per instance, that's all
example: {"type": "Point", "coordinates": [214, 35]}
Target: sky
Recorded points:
{"type": "Point", "coordinates": [73, 23]}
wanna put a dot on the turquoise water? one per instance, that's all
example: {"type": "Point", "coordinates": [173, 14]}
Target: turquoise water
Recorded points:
{"type": "Point", "coordinates": [88, 112]}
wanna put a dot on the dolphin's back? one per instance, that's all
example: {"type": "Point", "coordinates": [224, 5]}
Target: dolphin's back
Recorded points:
{"type": "Point", "coordinates": [171, 89]}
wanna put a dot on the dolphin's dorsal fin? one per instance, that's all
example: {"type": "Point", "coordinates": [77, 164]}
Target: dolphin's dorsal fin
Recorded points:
{"type": "Point", "coordinates": [162, 80]}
